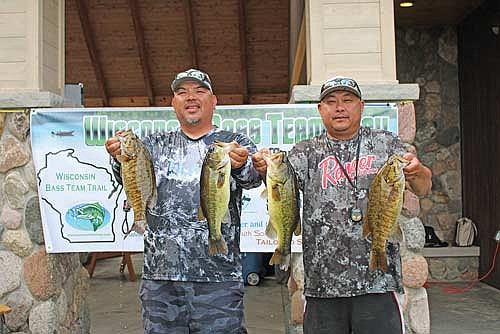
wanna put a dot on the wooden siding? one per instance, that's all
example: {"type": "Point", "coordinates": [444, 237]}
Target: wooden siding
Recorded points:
{"type": "Point", "coordinates": [13, 67]}
{"type": "Point", "coordinates": [351, 37]}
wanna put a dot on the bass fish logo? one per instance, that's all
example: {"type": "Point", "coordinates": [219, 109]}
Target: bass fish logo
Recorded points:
{"type": "Point", "coordinates": [88, 216]}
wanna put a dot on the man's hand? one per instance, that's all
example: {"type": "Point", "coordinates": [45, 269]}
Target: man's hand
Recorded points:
{"type": "Point", "coordinates": [258, 161]}
{"type": "Point", "coordinates": [413, 168]}
{"type": "Point", "coordinates": [417, 175]}
{"type": "Point", "coordinates": [113, 145]}
{"type": "Point", "coordinates": [238, 156]}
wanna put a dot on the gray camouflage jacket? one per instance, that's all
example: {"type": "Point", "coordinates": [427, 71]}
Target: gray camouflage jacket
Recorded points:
{"type": "Point", "coordinates": [175, 242]}
{"type": "Point", "coordinates": [335, 254]}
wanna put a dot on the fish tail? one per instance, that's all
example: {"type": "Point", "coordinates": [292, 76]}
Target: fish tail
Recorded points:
{"type": "Point", "coordinates": [286, 262]}
{"type": "Point", "coordinates": [280, 258]}
{"type": "Point", "coordinates": [217, 246]}
{"type": "Point", "coordinates": [378, 261]}
{"type": "Point", "coordinates": [139, 226]}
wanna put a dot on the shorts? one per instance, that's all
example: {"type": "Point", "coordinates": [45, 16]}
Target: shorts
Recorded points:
{"type": "Point", "coordinates": [366, 314]}
{"type": "Point", "coordinates": [192, 307]}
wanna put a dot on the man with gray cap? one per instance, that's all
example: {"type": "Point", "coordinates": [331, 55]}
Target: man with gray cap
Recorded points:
{"type": "Point", "coordinates": [184, 289]}
{"type": "Point", "coordinates": [335, 171]}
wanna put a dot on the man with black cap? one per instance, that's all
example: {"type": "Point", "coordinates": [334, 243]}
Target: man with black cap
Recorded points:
{"type": "Point", "coordinates": [335, 171]}
{"type": "Point", "coordinates": [184, 289]}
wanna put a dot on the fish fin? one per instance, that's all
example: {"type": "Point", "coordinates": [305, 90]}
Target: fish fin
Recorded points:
{"type": "Point", "coordinates": [276, 258]}
{"type": "Point", "coordinates": [217, 246]}
{"type": "Point", "coordinates": [298, 219]}
{"type": "Point", "coordinates": [227, 217]}
{"type": "Point", "coordinates": [275, 193]}
{"type": "Point", "coordinates": [396, 234]}
{"type": "Point", "coordinates": [378, 261]}
{"type": "Point", "coordinates": [367, 229]}
{"type": "Point", "coordinates": [221, 180]}
{"type": "Point", "coordinates": [270, 231]}
{"type": "Point", "coordinates": [263, 194]}
{"type": "Point", "coordinates": [154, 195]}
{"type": "Point", "coordinates": [153, 199]}
{"type": "Point", "coordinates": [201, 215]}
{"type": "Point", "coordinates": [297, 229]}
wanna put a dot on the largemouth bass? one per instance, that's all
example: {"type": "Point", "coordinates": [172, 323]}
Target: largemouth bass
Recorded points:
{"type": "Point", "coordinates": [385, 201]}
{"type": "Point", "coordinates": [138, 178]}
{"type": "Point", "coordinates": [215, 193]}
{"type": "Point", "coordinates": [283, 206]}
{"type": "Point", "coordinates": [93, 212]}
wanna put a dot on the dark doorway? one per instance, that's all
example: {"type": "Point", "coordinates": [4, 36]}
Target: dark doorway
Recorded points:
{"type": "Point", "coordinates": [479, 73]}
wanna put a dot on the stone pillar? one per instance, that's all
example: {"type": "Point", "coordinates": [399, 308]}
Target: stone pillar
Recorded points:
{"type": "Point", "coordinates": [350, 37]}
{"type": "Point", "coordinates": [45, 291]}
{"type": "Point", "coordinates": [414, 266]}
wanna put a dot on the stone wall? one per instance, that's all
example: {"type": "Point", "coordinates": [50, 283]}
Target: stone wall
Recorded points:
{"type": "Point", "coordinates": [45, 291]}
{"type": "Point", "coordinates": [428, 56]}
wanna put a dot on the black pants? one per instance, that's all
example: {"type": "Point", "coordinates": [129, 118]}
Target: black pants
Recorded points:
{"type": "Point", "coordinates": [366, 314]}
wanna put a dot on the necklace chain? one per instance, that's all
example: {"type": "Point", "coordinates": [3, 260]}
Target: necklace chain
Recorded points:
{"type": "Point", "coordinates": [354, 183]}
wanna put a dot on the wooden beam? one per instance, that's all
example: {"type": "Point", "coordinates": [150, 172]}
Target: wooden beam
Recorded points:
{"type": "Point", "coordinates": [94, 56]}
{"type": "Point", "coordinates": [164, 100]}
{"type": "Point", "coordinates": [139, 36]}
{"type": "Point", "coordinates": [191, 38]}
{"type": "Point", "coordinates": [300, 53]}
{"type": "Point", "coordinates": [243, 50]}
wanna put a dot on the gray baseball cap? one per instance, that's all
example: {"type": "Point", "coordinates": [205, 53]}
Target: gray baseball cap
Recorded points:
{"type": "Point", "coordinates": [192, 75]}
{"type": "Point", "coordinates": [339, 83]}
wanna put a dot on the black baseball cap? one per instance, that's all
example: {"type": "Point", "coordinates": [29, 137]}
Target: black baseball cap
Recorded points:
{"type": "Point", "coordinates": [339, 83]}
{"type": "Point", "coordinates": [192, 75]}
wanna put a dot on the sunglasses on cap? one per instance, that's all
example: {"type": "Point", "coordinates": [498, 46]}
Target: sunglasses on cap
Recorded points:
{"type": "Point", "coordinates": [340, 83]}
{"type": "Point", "coordinates": [195, 74]}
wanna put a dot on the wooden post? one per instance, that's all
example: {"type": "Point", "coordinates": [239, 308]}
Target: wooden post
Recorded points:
{"type": "Point", "coordinates": [126, 261]}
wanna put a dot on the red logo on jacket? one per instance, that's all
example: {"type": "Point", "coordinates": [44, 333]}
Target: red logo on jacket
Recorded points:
{"type": "Point", "coordinates": [332, 173]}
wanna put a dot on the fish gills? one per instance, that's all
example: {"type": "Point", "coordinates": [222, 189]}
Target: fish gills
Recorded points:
{"type": "Point", "coordinates": [283, 206]}
{"type": "Point", "coordinates": [215, 194]}
{"type": "Point", "coordinates": [138, 178]}
{"type": "Point", "coordinates": [385, 201]}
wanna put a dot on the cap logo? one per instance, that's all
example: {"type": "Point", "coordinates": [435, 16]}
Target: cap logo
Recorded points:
{"type": "Point", "coordinates": [192, 74]}
{"type": "Point", "coordinates": [340, 83]}
{"type": "Point", "coordinates": [198, 75]}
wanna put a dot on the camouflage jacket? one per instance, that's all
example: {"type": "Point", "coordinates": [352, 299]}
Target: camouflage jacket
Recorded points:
{"type": "Point", "coordinates": [175, 242]}
{"type": "Point", "coordinates": [336, 256]}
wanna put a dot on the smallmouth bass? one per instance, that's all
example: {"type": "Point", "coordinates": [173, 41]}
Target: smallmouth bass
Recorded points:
{"type": "Point", "coordinates": [385, 201]}
{"type": "Point", "coordinates": [138, 178]}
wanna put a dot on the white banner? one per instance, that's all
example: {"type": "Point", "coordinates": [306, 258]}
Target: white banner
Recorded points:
{"type": "Point", "coordinates": [82, 204]}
